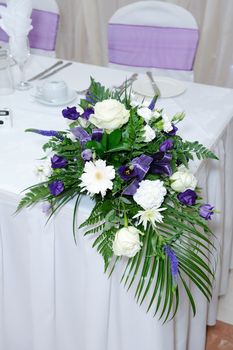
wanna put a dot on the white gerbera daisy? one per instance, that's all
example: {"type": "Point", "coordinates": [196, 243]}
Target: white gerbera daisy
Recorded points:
{"type": "Point", "coordinates": [97, 177]}
{"type": "Point", "coordinates": [149, 216]}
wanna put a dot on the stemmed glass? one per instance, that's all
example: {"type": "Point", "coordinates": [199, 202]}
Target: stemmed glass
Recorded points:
{"type": "Point", "coordinates": [20, 52]}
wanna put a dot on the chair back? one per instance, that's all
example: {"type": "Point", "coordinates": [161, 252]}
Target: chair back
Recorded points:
{"type": "Point", "coordinates": [153, 34]}
{"type": "Point", "coordinates": [45, 20]}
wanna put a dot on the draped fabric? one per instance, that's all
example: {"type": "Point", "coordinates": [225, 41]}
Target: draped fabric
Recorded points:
{"type": "Point", "coordinates": [83, 34]}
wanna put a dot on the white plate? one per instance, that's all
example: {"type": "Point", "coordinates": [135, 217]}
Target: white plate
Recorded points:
{"type": "Point", "coordinates": [71, 96]}
{"type": "Point", "coordinates": [168, 87]}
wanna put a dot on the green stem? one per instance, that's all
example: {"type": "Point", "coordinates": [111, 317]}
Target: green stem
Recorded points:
{"type": "Point", "coordinates": [125, 216]}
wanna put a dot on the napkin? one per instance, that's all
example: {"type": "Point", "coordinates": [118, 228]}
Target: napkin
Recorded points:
{"type": "Point", "coordinates": [15, 18]}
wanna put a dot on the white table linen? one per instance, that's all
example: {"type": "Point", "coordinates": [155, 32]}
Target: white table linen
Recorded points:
{"type": "Point", "coordinates": [53, 293]}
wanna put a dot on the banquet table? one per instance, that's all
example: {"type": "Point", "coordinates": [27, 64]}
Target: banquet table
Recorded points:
{"type": "Point", "coordinates": [54, 294]}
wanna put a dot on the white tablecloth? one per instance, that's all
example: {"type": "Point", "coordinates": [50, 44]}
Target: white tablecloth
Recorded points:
{"type": "Point", "coordinates": [53, 293]}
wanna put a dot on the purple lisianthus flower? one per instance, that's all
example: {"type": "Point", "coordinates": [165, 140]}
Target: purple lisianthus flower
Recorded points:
{"type": "Point", "coordinates": [127, 172]}
{"type": "Point", "coordinates": [58, 162]}
{"type": "Point", "coordinates": [174, 263]}
{"type": "Point", "coordinates": [206, 211]}
{"type": "Point", "coordinates": [187, 197]}
{"type": "Point", "coordinates": [86, 154]}
{"type": "Point", "coordinates": [173, 131]}
{"type": "Point", "coordinates": [70, 113]}
{"type": "Point", "coordinates": [87, 112]}
{"type": "Point", "coordinates": [56, 187]}
{"type": "Point", "coordinates": [97, 134]}
{"type": "Point", "coordinates": [166, 145]}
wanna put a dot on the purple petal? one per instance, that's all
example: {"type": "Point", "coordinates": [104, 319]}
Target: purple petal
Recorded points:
{"type": "Point", "coordinates": [56, 187]}
{"type": "Point", "coordinates": [127, 172]}
{"type": "Point", "coordinates": [174, 263]}
{"type": "Point", "coordinates": [70, 113]}
{"type": "Point", "coordinates": [86, 154]}
{"type": "Point", "coordinates": [58, 162]}
{"type": "Point", "coordinates": [50, 133]}
{"type": "Point", "coordinates": [87, 113]}
{"type": "Point", "coordinates": [187, 197]}
{"type": "Point", "coordinates": [166, 145]}
{"type": "Point", "coordinates": [173, 131]}
{"type": "Point", "coordinates": [97, 134]}
{"type": "Point", "coordinates": [206, 211]}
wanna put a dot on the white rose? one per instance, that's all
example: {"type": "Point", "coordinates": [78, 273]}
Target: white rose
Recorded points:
{"type": "Point", "coordinates": [167, 125]}
{"type": "Point", "coordinates": [183, 180]}
{"type": "Point", "coordinates": [109, 114]}
{"type": "Point", "coordinates": [150, 194]}
{"type": "Point", "coordinates": [127, 242]}
{"type": "Point", "coordinates": [149, 133]}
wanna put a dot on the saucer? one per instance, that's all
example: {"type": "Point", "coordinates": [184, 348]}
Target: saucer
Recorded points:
{"type": "Point", "coordinates": [71, 96]}
{"type": "Point", "coordinates": [168, 87]}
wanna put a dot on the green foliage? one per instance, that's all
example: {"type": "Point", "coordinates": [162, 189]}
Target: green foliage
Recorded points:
{"type": "Point", "coordinates": [149, 272]}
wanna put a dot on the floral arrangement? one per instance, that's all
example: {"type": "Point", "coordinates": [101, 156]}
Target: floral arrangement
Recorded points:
{"type": "Point", "coordinates": [148, 208]}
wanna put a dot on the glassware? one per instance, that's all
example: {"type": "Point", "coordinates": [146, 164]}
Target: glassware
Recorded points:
{"type": "Point", "coordinates": [20, 52]}
{"type": "Point", "coordinates": [6, 81]}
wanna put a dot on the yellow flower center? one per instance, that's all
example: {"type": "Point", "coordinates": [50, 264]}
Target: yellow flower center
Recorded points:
{"type": "Point", "coordinates": [98, 175]}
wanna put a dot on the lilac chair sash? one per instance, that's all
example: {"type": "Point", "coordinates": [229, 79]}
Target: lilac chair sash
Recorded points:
{"type": "Point", "coordinates": [44, 32]}
{"type": "Point", "coordinates": [147, 46]}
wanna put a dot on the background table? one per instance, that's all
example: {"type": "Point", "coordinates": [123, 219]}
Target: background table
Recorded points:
{"type": "Point", "coordinates": [53, 293]}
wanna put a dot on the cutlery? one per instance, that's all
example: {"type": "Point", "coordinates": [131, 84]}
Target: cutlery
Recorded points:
{"type": "Point", "coordinates": [153, 84]}
{"type": "Point", "coordinates": [56, 70]}
{"type": "Point", "coordinates": [58, 63]}
{"type": "Point", "coordinates": [127, 82]}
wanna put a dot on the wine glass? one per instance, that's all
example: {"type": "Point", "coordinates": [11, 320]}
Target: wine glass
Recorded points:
{"type": "Point", "coordinates": [20, 52]}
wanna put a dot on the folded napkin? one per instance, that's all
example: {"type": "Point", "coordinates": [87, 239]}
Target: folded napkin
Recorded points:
{"type": "Point", "coordinates": [15, 18]}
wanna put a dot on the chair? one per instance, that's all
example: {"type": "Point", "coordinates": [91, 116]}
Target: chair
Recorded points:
{"type": "Point", "coordinates": [153, 35]}
{"type": "Point", "coordinates": [45, 20]}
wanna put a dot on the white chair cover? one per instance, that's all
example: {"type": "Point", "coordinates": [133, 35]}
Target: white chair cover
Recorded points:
{"type": "Point", "coordinates": [48, 12]}
{"type": "Point", "coordinates": [139, 35]}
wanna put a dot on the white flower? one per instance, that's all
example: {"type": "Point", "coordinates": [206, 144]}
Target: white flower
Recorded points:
{"type": "Point", "coordinates": [145, 113]}
{"type": "Point", "coordinates": [167, 125]}
{"type": "Point", "coordinates": [149, 133]}
{"type": "Point", "coordinates": [43, 170]}
{"type": "Point", "coordinates": [109, 115]}
{"type": "Point", "coordinates": [150, 194]}
{"type": "Point", "coordinates": [183, 180]}
{"type": "Point", "coordinates": [97, 177]}
{"type": "Point", "coordinates": [127, 242]}
{"type": "Point", "coordinates": [150, 215]}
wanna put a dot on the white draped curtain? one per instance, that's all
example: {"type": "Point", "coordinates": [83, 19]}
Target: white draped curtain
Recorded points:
{"type": "Point", "coordinates": [83, 34]}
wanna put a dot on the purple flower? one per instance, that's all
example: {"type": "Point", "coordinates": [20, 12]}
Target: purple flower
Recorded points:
{"type": "Point", "coordinates": [81, 134]}
{"type": "Point", "coordinates": [58, 162]}
{"type": "Point", "coordinates": [97, 134]}
{"type": "Point", "coordinates": [50, 133]}
{"type": "Point", "coordinates": [174, 263]}
{"type": "Point", "coordinates": [187, 197]}
{"type": "Point", "coordinates": [173, 131]}
{"type": "Point", "coordinates": [46, 207]}
{"type": "Point", "coordinates": [127, 172]}
{"type": "Point", "coordinates": [56, 187]}
{"type": "Point", "coordinates": [166, 145]}
{"type": "Point", "coordinates": [87, 113]}
{"type": "Point", "coordinates": [86, 154]}
{"type": "Point", "coordinates": [205, 211]}
{"type": "Point", "coordinates": [70, 113]}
